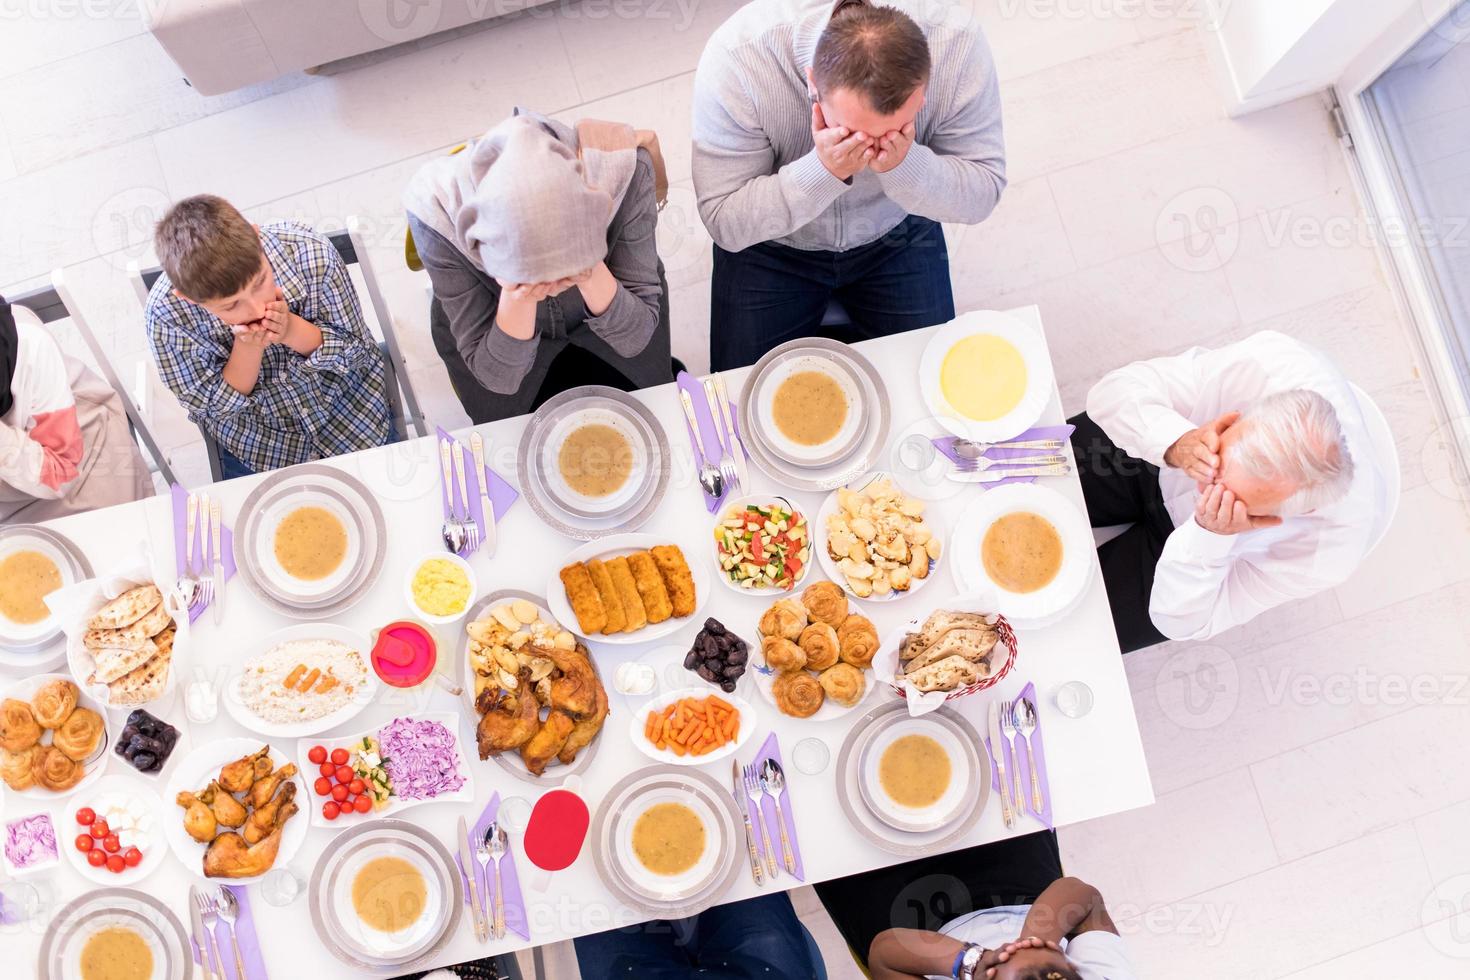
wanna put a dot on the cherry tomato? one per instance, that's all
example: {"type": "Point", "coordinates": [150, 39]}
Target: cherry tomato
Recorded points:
{"type": "Point", "coordinates": [330, 810]}
{"type": "Point", "coordinates": [116, 864]}
{"type": "Point", "coordinates": [356, 787]}
{"type": "Point", "coordinates": [348, 802]}
{"type": "Point", "coordinates": [99, 829]}
{"type": "Point", "coordinates": [97, 857]}
{"type": "Point", "coordinates": [317, 755]}
{"type": "Point", "coordinates": [327, 769]}
{"type": "Point", "coordinates": [339, 792]}
{"type": "Point", "coordinates": [111, 844]}
{"type": "Point", "coordinates": [345, 774]}
{"type": "Point", "coordinates": [323, 786]}
{"type": "Point", "coordinates": [85, 816]}
{"type": "Point", "coordinates": [363, 804]}
{"type": "Point", "coordinates": [132, 857]}
{"type": "Point", "coordinates": [84, 842]}
{"type": "Point", "coordinates": [340, 757]}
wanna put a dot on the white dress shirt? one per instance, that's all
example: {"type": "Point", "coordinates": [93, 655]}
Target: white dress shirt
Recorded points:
{"type": "Point", "coordinates": [1207, 582]}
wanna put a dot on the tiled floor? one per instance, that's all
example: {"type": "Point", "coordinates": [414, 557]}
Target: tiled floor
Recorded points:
{"type": "Point", "coordinates": [1312, 789]}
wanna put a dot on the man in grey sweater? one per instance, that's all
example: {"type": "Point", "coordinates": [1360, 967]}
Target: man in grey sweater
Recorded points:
{"type": "Point", "coordinates": [830, 139]}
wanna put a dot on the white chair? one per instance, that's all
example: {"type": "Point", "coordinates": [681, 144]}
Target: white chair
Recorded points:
{"type": "Point", "coordinates": [53, 304]}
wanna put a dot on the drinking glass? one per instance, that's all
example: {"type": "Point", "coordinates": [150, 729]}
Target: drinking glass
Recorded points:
{"type": "Point", "coordinates": [20, 901]}
{"type": "Point", "coordinates": [1073, 699]}
{"type": "Point", "coordinates": [811, 756]}
{"type": "Point", "coordinates": [280, 887]}
{"type": "Point", "coordinates": [515, 813]}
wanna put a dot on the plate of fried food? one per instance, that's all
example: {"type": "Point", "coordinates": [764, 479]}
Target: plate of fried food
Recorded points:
{"type": "Point", "coordinates": [124, 650]}
{"type": "Point", "coordinates": [628, 588]}
{"type": "Point", "coordinates": [815, 654]}
{"type": "Point", "coordinates": [534, 687]}
{"type": "Point", "coordinates": [236, 800]}
{"type": "Point", "coordinates": [876, 541]}
{"type": "Point", "coordinates": [53, 737]}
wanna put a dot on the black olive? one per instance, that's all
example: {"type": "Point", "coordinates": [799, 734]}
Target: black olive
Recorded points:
{"type": "Point", "coordinates": [145, 762]}
{"type": "Point", "coordinates": [728, 687]}
{"type": "Point", "coordinates": [714, 627]}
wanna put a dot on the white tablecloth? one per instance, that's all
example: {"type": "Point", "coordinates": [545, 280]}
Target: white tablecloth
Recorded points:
{"type": "Point", "coordinates": [1096, 763]}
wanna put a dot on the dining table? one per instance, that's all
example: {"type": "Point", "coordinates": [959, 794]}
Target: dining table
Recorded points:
{"type": "Point", "coordinates": [1095, 763]}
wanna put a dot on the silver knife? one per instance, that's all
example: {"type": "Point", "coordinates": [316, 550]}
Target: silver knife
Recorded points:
{"type": "Point", "coordinates": [201, 941]}
{"type": "Point", "coordinates": [998, 752]}
{"type": "Point", "coordinates": [996, 474]}
{"type": "Point", "coordinates": [482, 473]}
{"type": "Point", "coordinates": [216, 536]}
{"type": "Point", "coordinates": [737, 448]}
{"type": "Point", "coordinates": [741, 801]}
{"type": "Point", "coordinates": [467, 860]}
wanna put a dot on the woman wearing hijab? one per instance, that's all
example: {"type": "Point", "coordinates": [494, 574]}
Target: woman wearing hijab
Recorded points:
{"type": "Point", "coordinates": [539, 238]}
{"type": "Point", "coordinates": [65, 446]}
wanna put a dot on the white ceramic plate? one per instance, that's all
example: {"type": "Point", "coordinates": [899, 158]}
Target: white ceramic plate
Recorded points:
{"type": "Point", "coordinates": [265, 551]}
{"type": "Point", "coordinates": [20, 634]}
{"type": "Point", "coordinates": [1024, 338]}
{"type": "Point", "coordinates": [1028, 610]}
{"type": "Point", "coordinates": [658, 887]}
{"type": "Point", "coordinates": [852, 424]}
{"type": "Point", "coordinates": [102, 908]}
{"type": "Point", "coordinates": [759, 500]}
{"type": "Point", "coordinates": [195, 771]}
{"type": "Point", "coordinates": [579, 503]}
{"type": "Point", "coordinates": [829, 564]}
{"type": "Point", "coordinates": [24, 690]}
{"type": "Point", "coordinates": [765, 679]}
{"type": "Point", "coordinates": [612, 547]}
{"type": "Point", "coordinates": [413, 935]}
{"type": "Point", "coordinates": [139, 795]}
{"type": "Point", "coordinates": [364, 695]}
{"type": "Point", "coordinates": [895, 814]}
{"type": "Point", "coordinates": [396, 804]}
{"type": "Point", "coordinates": [640, 717]}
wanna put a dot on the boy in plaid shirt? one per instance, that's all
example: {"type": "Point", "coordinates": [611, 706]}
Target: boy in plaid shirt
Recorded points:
{"type": "Point", "coordinates": [258, 332]}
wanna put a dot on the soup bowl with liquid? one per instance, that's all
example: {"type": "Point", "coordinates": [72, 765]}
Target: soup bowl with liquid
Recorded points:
{"type": "Point", "coordinates": [30, 569]}
{"type": "Point", "coordinates": [913, 775]}
{"type": "Point", "coordinates": [387, 900]}
{"type": "Point", "coordinates": [308, 546]}
{"type": "Point", "coordinates": [594, 461]}
{"type": "Point", "coordinates": [810, 409]}
{"type": "Point", "coordinates": [667, 844]}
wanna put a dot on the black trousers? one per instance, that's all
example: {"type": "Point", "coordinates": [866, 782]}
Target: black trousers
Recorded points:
{"type": "Point", "coordinates": [1121, 489]}
{"type": "Point", "coordinates": [929, 892]}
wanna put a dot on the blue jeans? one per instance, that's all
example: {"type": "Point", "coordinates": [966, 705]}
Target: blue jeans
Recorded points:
{"type": "Point", "coordinates": [756, 938]}
{"type": "Point", "coordinates": [768, 294]}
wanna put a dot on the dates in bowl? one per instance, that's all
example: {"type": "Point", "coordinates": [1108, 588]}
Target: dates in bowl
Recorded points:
{"type": "Point", "coordinates": [146, 741]}
{"type": "Point", "coordinates": [718, 656]}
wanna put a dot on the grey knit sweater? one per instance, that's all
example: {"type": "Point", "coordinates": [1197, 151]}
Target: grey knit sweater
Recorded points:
{"type": "Point", "coordinates": [756, 172]}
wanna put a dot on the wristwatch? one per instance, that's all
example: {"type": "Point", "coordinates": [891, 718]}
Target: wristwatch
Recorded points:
{"type": "Point", "coordinates": [969, 962]}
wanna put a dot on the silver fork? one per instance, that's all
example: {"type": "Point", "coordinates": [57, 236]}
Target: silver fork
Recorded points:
{"type": "Point", "coordinates": [727, 438]}
{"type": "Point", "coordinates": [482, 854]}
{"type": "Point", "coordinates": [753, 790]}
{"type": "Point", "coordinates": [1013, 758]}
{"type": "Point", "coordinates": [980, 464]}
{"type": "Point", "coordinates": [498, 846]}
{"type": "Point", "coordinates": [210, 912]}
{"type": "Point", "coordinates": [453, 529]}
{"type": "Point", "coordinates": [206, 584]}
{"type": "Point", "coordinates": [471, 527]}
{"type": "Point", "coordinates": [969, 449]}
{"type": "Point", "coordinates": [189, 582]}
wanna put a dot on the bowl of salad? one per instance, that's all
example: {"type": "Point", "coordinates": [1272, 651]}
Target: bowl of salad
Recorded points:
{"type": "Point", "coordinates": [762, 545]}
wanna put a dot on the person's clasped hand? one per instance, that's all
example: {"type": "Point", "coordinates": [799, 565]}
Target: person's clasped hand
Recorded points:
{"type": "Point", "coordinates": [1221, 511]}
{"type": "Point", "coordinates": [1197, 452]}
{"type": "Point", "coordinates": [843, 153]}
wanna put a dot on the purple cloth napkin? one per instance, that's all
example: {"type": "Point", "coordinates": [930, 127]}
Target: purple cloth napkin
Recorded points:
{"type": "Point", "coordinates": [945, 444]}
{"type": "Point", "coordinates": [767, 811]}
{"type": "Point", "coordinates": [181, 526]}
{"type": "Point", "coordinates": [515, 905]}
{"type": "Point", "coordinates": [245, 934]}
{"type": "Point", "coordinates": [502, 494]}
{"type": "Point", "coordinates": [1022, 751]}
{"type": "Point", "coordinates": [710, 431]}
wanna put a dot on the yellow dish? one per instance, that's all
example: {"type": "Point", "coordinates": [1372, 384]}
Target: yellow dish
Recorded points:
{"type": "Point", "coordinates": [441, 588]}
{"type": "Point", "coordinates": [983, 377]}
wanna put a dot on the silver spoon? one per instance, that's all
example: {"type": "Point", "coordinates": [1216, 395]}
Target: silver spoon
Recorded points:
{"type": "Point", "coordinates": [1026, 722]}
{"type": "Point", "coordinates": [773, 781]}
{"type": "Point", "coordinates": [499, 842]}
{"type": "Point", "coordinates": [452, 531]}
{"type": "Point", "coordinates": [710, 479]}
{"type": "Point", "coordinates": [229, 910]}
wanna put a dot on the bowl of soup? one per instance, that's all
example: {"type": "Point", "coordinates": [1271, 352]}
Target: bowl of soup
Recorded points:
{"type": "Point", "coordinates": [668, 843]}
{"type": "Point", "coordinates": [387, 899]}
{"type": "Point", "coordinates": [913, 774]}
{"type": "Point", "coordinates": [309, 544]}
{"type": "Point", "coordinates": [30, 570]}
{"type": "Point", "coordinates": [810, 409]}
{"type": "Point", "coordinates": [595, 461]}
{"type": "Point", "coordinates": [986, 375]}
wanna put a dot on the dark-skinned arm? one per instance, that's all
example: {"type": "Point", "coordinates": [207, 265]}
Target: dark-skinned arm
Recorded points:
{"type": "Point", "coordinates": [1068, 907]}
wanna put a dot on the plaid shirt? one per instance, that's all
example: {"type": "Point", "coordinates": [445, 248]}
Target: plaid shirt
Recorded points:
{"type": "Point", "coordinates": [303, 407]}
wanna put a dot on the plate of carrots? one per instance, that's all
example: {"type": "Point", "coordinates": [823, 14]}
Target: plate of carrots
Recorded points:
{"type": "Point", "coordinates": [691, 727]}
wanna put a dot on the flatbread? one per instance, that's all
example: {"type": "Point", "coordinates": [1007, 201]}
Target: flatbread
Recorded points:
{"type": "Point", "coordinates": [114, 662]}
{"type": "Point", "coordinates": [165, 640]}
{"type": "Point", "coordinates": [154, 621]}
{"type": "Point", "coordinates": [127, 608]}
{"type": "Point", "coordinates": [948, 674]}
{"type": "Point", "coordinates": [142, 685]}
{"type": "Point", "coordinates": [127, 638]}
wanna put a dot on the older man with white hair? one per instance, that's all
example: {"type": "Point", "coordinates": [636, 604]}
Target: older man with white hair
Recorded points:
{"type": "Point", "coordinates": [1248, 477]}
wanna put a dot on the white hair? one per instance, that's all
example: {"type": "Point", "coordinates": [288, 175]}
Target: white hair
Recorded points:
{"type": "Point", "coordinates": [1295, 436]}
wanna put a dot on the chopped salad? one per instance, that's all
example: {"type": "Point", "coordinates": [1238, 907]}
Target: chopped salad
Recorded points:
{"type": "Point", "coordinates": [763, 547]}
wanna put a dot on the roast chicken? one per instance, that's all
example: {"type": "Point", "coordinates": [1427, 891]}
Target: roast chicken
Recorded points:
{"type": "Point", "coordinates": [249, 794]}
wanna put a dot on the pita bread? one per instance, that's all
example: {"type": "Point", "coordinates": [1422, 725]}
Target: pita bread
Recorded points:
{"type": "Point", "coordinates": [127, 608]}
{"type": "Point", "coordinates": [939, 623]}
{"type": "Point", "coordinates": [113, 662]}
{"type": "Point", "coordinates": [972, 644]}
{"type": "Point", "coordinates": [948, 674]}
{"type": "Point", "coordinates": [165, 640]}
{"type": "Point", "coordinates": [154, 621]}
{"type": "Point", "coordinates": [142, 685]}
{"type": "Point", "coordinates": [127, 638]}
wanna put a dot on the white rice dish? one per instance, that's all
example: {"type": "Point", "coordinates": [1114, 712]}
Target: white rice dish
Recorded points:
{"type": "Point", "coordinates": [302, 680]}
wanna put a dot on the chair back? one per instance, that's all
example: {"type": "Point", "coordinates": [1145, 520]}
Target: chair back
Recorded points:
{"type": "Point", "coordinates": [1385, 452]}
{"type": "Point", "coordinates": [403, 403]}
{"type": "Point", "coordinates": [54, 304]}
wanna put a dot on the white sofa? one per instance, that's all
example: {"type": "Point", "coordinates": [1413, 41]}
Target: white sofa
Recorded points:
{"type": "Point", "coordinates": [222, 45]}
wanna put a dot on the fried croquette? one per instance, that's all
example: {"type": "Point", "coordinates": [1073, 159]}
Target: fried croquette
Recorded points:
{"type": "Point", "coordinates": [611, 604]}
{"type": "Point", "coordinates": [650, 587]}
{"type": "Point", "coordinates": [677, 578]}
{"type": "Point", "coordinates": [627, 589]}
{"type": "Point", "coordinates": [583, 597]}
